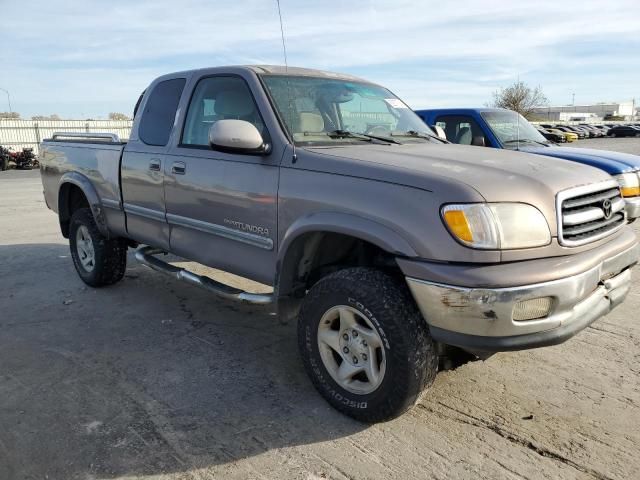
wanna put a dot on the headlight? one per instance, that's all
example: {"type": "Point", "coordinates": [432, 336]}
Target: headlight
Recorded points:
{"type": "Point", "coordinates": [496, 226]}
{"type": "Point", "coordinates": [629, 184]}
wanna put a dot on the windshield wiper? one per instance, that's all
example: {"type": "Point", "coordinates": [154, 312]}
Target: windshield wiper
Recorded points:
{"type": "Point", "coordinates": [358, 136]}
{"type": "Point", "coordinates": [416, 134]}
{"type": "Point", "coordinates": [525, 140]}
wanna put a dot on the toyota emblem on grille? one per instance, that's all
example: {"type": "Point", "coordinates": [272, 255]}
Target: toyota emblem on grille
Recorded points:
{"type": "Point", "coordinates": [607, 208]}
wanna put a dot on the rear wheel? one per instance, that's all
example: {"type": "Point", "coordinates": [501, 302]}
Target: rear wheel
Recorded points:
{"type": "Point", "coordinates": [365, 345]}
{"type": "Point", "coordinates": [99, 261]}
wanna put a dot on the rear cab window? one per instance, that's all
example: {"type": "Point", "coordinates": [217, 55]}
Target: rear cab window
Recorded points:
{"type": "Point", "coordinates": [160, 111]}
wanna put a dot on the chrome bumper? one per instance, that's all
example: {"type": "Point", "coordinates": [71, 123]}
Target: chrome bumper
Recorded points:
{"type": "Point", "coordinates": [633, 207]}
{"type": "Point", "coordinates": [482, 319]}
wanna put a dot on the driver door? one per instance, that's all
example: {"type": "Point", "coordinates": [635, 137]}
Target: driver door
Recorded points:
{"type": "Point", "coordinates": [222, 207]}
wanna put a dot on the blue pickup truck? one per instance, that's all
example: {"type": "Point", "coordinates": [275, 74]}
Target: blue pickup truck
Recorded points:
{"type": "Point", "coordinates": [500, 128]}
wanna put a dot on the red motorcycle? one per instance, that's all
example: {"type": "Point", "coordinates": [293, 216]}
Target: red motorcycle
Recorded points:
{"type": "Point", "coordinates": [24, 160]}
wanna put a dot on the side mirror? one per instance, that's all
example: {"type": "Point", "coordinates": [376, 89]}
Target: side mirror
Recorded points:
{"type": "Point", "coordinates": [237, 136]}
{"type": "Point", "coordinates": [478, 141]}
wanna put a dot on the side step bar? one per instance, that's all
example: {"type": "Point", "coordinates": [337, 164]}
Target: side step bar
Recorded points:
{"type": "Point", "coordinates": [145, 255]}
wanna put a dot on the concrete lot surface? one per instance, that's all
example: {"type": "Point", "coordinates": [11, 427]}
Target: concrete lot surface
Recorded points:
{"type": "Point", "coordinates": [625, 145]}
{"type": "Point", "coordinates": [152, 378]}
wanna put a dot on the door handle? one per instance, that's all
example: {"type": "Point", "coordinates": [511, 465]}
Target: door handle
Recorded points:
{"type": "Point", "coordinates": [154, 165]}
{"type": "Point", "coordinates": [179, 168]}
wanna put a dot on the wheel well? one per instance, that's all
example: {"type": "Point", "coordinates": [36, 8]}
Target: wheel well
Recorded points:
{"type": "Point", "coordinates": [314, 255]}
{"type": "Point", "coordinates": [70, 198]}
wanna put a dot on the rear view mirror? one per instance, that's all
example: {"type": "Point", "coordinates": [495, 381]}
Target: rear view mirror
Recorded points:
{"type": "Point", "coordinates": [478, 141]}
{"type": "Point", "coordinates": [237, 136]}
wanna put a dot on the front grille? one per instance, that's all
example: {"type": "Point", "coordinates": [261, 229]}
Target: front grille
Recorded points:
{"type": "Point", "coordinates": [589, 213]}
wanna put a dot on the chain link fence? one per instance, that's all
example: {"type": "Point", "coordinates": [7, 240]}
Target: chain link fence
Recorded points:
{"type": "Point", "coordinates": [19, 134]}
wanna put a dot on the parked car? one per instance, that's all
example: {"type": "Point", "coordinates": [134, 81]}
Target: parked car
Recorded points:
{"type": "Point", "coordinates": [596, 132]}
{"type": "Point", "coordinates": [556, 137]}
{"type": "Point", "coordinates": [582, 134]}
{"type": "Point", "coordinates": [570, 136]}
{"type": "Point", "coordinates": [504, 129]}
{"type": "Point", "coordinates": [392, 248]}
{"type": "Point", "coordinates": [623, 131]}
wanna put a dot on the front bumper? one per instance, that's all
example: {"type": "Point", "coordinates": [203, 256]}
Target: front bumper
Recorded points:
{"type": "Point", "coordinates": [482, 318]}
{"type": "Point", "coordinates": [633, 207]}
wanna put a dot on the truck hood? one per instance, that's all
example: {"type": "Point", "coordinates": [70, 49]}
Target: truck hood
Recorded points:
{"type": "Point", "coordinates": [496, 175]}
{"type": "Point", "coordinates": [613, 163]}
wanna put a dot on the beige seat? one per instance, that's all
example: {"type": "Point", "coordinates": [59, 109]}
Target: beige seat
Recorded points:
{"type": "Point", "coordinates": [310, 122]}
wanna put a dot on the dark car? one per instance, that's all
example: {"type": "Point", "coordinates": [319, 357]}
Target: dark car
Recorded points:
{"type": "Point", "coordinates": [592, 130]}
{"type": "Point", "coordinates": [553, 137]}
{"type": "Point", "coordinates": [623, 131]}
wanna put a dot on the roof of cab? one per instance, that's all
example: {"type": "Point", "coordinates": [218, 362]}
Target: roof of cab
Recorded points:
{"type": "Point", "coordinates": [277, 70]}
{"type": "Point", "coordinates": [462, 110]}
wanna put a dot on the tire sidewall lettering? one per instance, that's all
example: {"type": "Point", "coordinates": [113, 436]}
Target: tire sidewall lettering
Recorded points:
{"type": "Point", "coordinates": [358, 305]}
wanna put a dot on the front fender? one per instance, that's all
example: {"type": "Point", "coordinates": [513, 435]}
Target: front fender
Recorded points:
{"type": "Point", "coordinates": [291, 250]}
{"type": "Point", "coordinates": [90, 193]}
{"type": "Point", "coordinates": [347, 224]}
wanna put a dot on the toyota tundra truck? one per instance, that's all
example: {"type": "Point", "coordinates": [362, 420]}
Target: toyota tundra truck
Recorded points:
{"type": "Point", "coordinates": [396, 252]}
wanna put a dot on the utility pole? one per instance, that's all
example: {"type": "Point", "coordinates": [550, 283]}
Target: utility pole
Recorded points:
{"type": "Point", "coordinates": [573, 99]}
{"type": "Point", "coordinates": [8, 99]}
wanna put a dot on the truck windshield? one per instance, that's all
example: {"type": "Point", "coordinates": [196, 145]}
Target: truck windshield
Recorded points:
{"type": "Point", "coordinates": [513, 130]}
{"type": "Point", "coordinates": [321, 111]}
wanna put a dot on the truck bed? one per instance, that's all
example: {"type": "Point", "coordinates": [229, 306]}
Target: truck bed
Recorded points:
{"type": "Point", "coordinates": [94, 156]}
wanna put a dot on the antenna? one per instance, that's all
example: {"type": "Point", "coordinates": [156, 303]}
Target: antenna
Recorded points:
{"type": "Point", "coordinates": [518, 121]}
{"type": "Point", "coordinates": [286, 69]}
{"type": "Point", "coordinates": [284, 46]}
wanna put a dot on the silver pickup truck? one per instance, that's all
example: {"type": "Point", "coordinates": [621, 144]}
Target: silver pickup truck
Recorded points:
{"type": "Point", "coordinates": [399, 254]}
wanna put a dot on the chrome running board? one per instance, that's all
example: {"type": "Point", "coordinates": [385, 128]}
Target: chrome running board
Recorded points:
{"type": "Point", "coordinates": [145, 255]}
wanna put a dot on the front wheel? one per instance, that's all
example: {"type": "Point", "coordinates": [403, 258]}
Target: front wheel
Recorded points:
{"type": "Point", "coordinates": [99, 261]}
{"type": "Point", "coordinates": [365, 345]}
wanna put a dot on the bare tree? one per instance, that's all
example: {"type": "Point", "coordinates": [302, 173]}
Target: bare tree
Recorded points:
{"type": "Point", "coordinates": [118, 116]}
{"type": "Point", "coordinates": [11, 115]}
{"type": "Point", "coordinates": [520, 98]}
{"type": "Point", "coordinates": [55, 116]}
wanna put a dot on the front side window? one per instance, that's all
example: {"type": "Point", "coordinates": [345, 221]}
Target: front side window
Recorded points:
{"type": "Point", "coordinates": [313, 109]}
{"type": "Point", "coordinates": [219, 98]}
{"type": "Point", "coordinates": [160, 112]}
{"type": "Point", "coordinates": [512, 129]}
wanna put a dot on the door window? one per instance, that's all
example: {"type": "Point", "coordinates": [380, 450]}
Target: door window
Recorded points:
{"type": "Point", "coordinates": [160, 112]}
{"type": "Point", "coordinates": [218, 98]}
{"type": "Point", "coordinates": [459, 129]}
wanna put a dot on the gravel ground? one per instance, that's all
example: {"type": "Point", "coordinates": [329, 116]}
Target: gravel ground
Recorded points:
{"type": "Point", "coordinates": [155, 379]}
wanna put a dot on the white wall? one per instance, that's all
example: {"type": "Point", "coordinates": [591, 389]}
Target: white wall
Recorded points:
{"type": "Point", "coordinates": [18, 134]}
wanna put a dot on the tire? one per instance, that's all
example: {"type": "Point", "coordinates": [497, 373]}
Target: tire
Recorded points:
{"type": "Point", "coordinates": [109, 256]}
{"type": "Point", "coordinates": [405, 357]}
{"type": "Point", "coordinates": [4, 164]}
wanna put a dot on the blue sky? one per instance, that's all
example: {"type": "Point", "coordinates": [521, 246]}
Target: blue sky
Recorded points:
{"type": "Point", "coordinates": [84, 59]}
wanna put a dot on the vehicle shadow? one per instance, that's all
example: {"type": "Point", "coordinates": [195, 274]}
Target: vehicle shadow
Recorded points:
{"type": "Point", "coordinates": [145, 377]}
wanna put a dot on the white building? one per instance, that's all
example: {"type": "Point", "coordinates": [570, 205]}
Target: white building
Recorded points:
{"type": "Point", "coordinates": [587, 112]}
